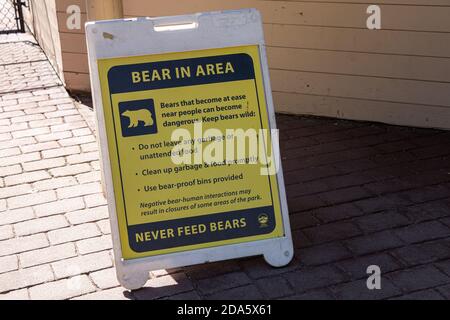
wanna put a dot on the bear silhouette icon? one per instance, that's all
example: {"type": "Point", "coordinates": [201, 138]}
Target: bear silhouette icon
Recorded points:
{"type": "Point", "coordinates": [139, 116]}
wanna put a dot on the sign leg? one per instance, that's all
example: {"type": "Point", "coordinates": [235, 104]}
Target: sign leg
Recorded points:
{"type": "Point", "coordinates": [281, 257]}
{"type": "Point", "coordinates": [134, 281]}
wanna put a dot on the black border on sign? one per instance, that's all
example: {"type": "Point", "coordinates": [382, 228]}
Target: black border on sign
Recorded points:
{"type": "Point", "coordinates": [118, 154]}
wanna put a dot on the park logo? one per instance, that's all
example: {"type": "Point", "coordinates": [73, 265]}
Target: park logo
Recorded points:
{"type": "Point", "coordinates": [138, 118]}
{"type": "Point", "coordinates": [263, 220]}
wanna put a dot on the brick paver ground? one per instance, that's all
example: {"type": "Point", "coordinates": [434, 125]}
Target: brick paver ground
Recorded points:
{"type": "Point", "coordinates": [360, 194]}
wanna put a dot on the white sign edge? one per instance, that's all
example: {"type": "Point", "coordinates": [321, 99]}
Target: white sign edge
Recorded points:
{"type": "Point", "coordinates": [242, 27]}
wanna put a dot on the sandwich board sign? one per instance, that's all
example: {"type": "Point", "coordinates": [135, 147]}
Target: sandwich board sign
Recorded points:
{"type": "Point", "coordinates": [190, 155]}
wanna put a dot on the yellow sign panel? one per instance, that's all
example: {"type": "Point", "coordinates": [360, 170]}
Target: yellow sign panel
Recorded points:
{"type": "Point", "coordinates": [164, 115]}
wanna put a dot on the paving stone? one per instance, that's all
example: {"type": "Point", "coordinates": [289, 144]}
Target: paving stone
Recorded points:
{"type": "Point", "coordinates": [56, 183]}
{"type": "Point", "coordinates": [8, 263]}
{"type": "Point", "coordinates": [77, 141]}
{"type": "Point", "coordinates": [69, 126]}
{"type": "Point", "coordinates": [419, 278]}
{"type": "Point", "coordinates": [425, 194]}
{"type": "Point", "coordinates": [62, 289]}
{"type": "Point", "coordinates": [44, 164]}
{"type": "Point", "coordinates": [94, 244]}
{"type": "Point", "coordinates": [428, 211]}
{"type": "Point", "coordinates": [83, 231]}
{"type": "Point", "coordinates": [54, 136]}
{"type": "Point", "coordinates": [45, 123]}
{"type": "Point", "coordinates": [25, 278]}
{"type": "Point", "coordinates": [323, 254]}
{"type": "Point", "coordinates": [73, 118]}
{"type": "Point", "coordinates": [26, 178]}
{"type": "Point", "coordinates": [316, 295]}
{"type": "Point", "coordinates": [381, 221]}
{"type": "Point", "coordinates": [423, 232]}
{"type": "Point", "coordinates": [331, 232]}
{"type": "Point", "coordinates": [222, 282]}
{"type": "Point", "coordinates": [300, 240]}
{"type": "Point", "coordinates": [303, 220]}
{"type": "Point", "coordinates": [11, 170]}
{"type": "Point", "coordinates": [430, 294]}
{"type": "Point", "coordinates": [18, 245]}
{"type": "Point", "coordinates": [344, 195]}
{"type": "Point", "coordinates": [111, 294]}
{"type": "Point", "coordinates": [164, 287]}
{"type": "Point", "coordinates": [47, 255]}
{"type": "Point", "coordinates": [6, 232]}
{"type": "Point", "coordinates": [83, 157]}
{"type": "Point", "coordinates": [376, 204]}
{"type": "Point", "coordinates": [40, 225]}
{"type": "Point", "coordinates": [79, 190]}
{"type": "Point", "coordinates": [11, 114]}
{"type": "Point", "coordinates": [70, 170]}
{"type": "Point", "coordinates": [93, 176]}
{"type": "Point", "coordinates": [32, 99]}
{"type": "Point", "coordinates": [54, 102]}
{"type": "Point", "coordinates": [30, 132]}
{"type": "Point", "coordinates": [5, 136]}
{"type": "Point", "coordinates": [18, 215]}
{"type": "Point", "coordinates": [59, 207]}
{"type": "Point", "coordinates": [305, 203]}
{"type": "Point", "coordinates": [314, 278]}
{"type": "Point", "coordinates": [17, 295]}
{"type": "Point", "coordinates": [211, 270]}
{"type": "Point", "coordinates": [185, 296]}
{"type": "Point", "coordinates": [61, 113]}
{"type": "Point", "coordinates": [14, 191]}
{"type": "Point", "coordinates": [358, 290]}
{"type": "Point", "coordinates": [88, 215]}
{"type": "Point", "coordinates": [96, 165]}
{"type": "Point", "coordinates": [82, 264]}
{"type": "Point", "coordinates": [31, 199]}
{"type": "Point", "coordinates": [89, 147]}
{"type": "Point", "coordinates": [356, 268]}
{"type": "Point", "coordinates": [444, 291]}
{"type": "Point", "coordinates": [10, 152]}
{"type": "Point", "coordinates": [249, 292]}
{"type": "Point", "coordinates": [257, 268]}
{"type": "Point", "coordinates": [81, 132]}
{"type": "Point", "coordinates": [338, 212]}
{"type": "Point", "coordinates": [444, 266]}
{"type": "Point", "coordinates": [18, 107]}
{"type": "Point", "coordinates": [375, 242]}
{"type": "Point", "coordinates": [95, 200]}
{"type": "Point", "coordinates": [105, 279]}
{"type": "Point", "coordinates": [17, 143]}
{"type": "Point", "coordinates": [423, 253]}
{"type": "Point", "coordinates": [27, 118]}
{"type": "Point", "coordinates": [104, 226]}
{"type": "Point", "coordinates": [60, 152]}
{"type": "Point", "coordinates": [274, 288]}
{"type": "Point", "coordinates": [446, 221]}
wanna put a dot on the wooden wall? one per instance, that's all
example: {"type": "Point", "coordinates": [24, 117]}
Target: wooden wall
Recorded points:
{"type": "Point", "coordinates": [73, 47]}
{"type": "Point", "coordinates": [323, 59]}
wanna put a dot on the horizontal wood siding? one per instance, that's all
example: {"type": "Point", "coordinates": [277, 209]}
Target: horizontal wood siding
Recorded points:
{"type": "Point", "coordinates": [73, 47]}
{"type": "Point", "coordinates": [324, 61]}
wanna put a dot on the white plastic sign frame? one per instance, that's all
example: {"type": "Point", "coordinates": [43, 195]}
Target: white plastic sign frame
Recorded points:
{"type": "Point", "coordinates": [140, 36]}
